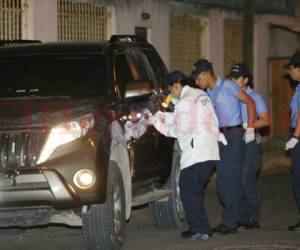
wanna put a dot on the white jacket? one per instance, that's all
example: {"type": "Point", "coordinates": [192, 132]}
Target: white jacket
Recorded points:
{"type": "Point", "coordinates": [195, 125]}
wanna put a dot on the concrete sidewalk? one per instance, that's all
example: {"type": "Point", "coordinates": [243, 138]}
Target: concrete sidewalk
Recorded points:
{"type": "Point", "coordinates": [278, 211]}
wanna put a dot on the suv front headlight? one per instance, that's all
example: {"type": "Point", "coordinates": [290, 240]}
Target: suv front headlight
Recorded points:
{"type": "Point", "coordinates": [64, 133]}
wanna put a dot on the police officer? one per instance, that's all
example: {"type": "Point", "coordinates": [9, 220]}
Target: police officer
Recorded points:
{"type": "Point", "coordinates": [250, 200]}
{"type": "Point", "coordinates": [293, 68]}
{"type": "Point", "coordinates": [195, 125]}
{"type": "Point", "coordinates": [226, 97]}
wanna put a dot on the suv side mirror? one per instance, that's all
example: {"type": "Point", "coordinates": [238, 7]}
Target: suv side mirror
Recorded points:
{"type": "Point", "coordinates": [138, 88]}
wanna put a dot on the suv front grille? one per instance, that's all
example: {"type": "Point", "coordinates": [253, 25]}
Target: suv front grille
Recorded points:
{"type": "Point", "coordinates": [20, 148]}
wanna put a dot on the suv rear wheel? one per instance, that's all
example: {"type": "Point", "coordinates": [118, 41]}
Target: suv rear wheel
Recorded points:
{"type": "Point", "coordinates": [170, 214]}
{"type": "Point", "coordinates": [104, 225]}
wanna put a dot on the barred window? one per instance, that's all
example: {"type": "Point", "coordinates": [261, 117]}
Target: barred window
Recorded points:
{"type": "Point", "coordinates": [81, 20]}
{"type": "Point", "coordinates": [10, 19]}
{"type": "Point", "coordinates": [233, 43]}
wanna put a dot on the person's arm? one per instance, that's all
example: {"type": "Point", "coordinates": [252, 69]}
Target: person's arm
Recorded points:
{"type": "Point", "coordinates": [297, 129]}
{"type": "Point", "coordinates": [164, 123]}
{"type": "Point", "coordinates": [251, 109]}
{"type": "Point", "coordinates": [294, 140]}
{"type": "Point", "coordinates": [262, 121]}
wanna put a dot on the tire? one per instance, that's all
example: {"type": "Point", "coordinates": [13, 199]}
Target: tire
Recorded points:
{"type": "Point", "coordinates": [170, 214]}
{"type": "Point", "coordinates": [104, 225]}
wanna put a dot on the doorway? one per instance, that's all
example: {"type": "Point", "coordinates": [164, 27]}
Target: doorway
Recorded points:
{"type": "Point", "coordinates": [280, 93]}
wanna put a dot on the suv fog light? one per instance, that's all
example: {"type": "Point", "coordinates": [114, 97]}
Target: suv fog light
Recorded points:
{"type": "Point", "coordinates": [84, 179]}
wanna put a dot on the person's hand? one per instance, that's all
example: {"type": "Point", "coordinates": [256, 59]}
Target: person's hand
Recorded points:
{"type": "Point", "coordinates": [249, 135]}
{"type": "Point", "coordinates": [147, 114]}
{"type": "Point", "coordinates": [151, 119]}
{"type": "Point", "coordinates": [158, 117]}
{"type": "Point", "coordinates": [245, 125]}
{"type": "Point", "coordinates": [222, 139]}
{"type": "Point", "coordinates": [291, 143]}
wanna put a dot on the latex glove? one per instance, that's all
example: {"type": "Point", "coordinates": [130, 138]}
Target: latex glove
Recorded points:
{"type": "Point", "coordinates": [158, 117]}
{"type": "Point", "coordinates": [147, 113]}
{"type": "Point", "coordinates": [174, 101]}
{"type": "Point", "coordinates": [150, 119]}
{"type": "Point", "coordinates": [222, 139]}
{"type": "Point", "coordinates": [249, 135]}
{"type": "Point", "coordinates": [291, 143]}
{"type": "Point", "coordinates": [245, 125]}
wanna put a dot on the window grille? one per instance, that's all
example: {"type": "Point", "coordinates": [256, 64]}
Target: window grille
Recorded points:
{"type": "Point", "coordinates": [81, 20]}
{"type": "Point", "coordinates": [10, 19]}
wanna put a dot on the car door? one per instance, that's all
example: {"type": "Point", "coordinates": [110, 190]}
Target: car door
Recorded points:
{"type": "Point", "coordinates": [152, 140]}
{"type": "Point", "coordinates": [165, 145]}
{"type": "Point", "coordinates": [138, 134]}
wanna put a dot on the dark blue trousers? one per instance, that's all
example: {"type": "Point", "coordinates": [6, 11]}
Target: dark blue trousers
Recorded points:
{"type": "Point", "coordinates": [295, 153]}
{"type": "Point", "coordinates": [192, 183]}
{"type": "Point", "coordinates": [229, 175]}
{"type": "Point", "coordinates": [250, 200]}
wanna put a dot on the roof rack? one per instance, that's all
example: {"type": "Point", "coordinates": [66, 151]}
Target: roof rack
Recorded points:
{"type": "Point", "coordinates": [126, 38]}
{"type": "Point", "coordinates": [17, 42]}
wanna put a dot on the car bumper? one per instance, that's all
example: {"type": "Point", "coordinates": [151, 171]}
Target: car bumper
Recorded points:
{"type": "Point", "coordinates": [44, 188]}
{"type": "Point", "coordinates": [51, 183]}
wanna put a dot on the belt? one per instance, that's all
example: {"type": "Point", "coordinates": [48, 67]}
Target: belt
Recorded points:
{"type": "Point", "coordinates": [224, 129]}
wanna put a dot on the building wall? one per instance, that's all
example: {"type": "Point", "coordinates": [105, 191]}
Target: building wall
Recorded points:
{"type": "Point", "coordinates": [216, 40]}
{"type": "Point", "coordinates": [262, 41]}
{"type": "Point", "coordinates": [233, 43]}
{"type": "Point", "coordinates": [40, 20]}
{"type": "Point", "coordinates": [128, 15]}
{"type": "Point", "coordinates": [189, 35]}
{"type": "Point", "coordinates": [224, 39]}
{"type": "Point", "coordinates": [278, 37]}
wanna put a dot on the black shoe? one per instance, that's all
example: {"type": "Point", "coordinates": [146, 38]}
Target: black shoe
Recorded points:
{"type": "Point", "coordinates": [295, 228]}
{"type": "Point", "coordinates": [242, 223]}
{"type": "Point", "coordinates": [248, 224]}
{"type": "Point", "coordinates": [252, 224]}
{"type": "Point", "coordinates": [224, 230]}
{"type": "Point", "coordinates": [188, 235]}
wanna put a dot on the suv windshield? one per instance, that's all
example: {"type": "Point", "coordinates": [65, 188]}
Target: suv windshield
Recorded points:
{"type": "Point", "coordinates": [52, 76]}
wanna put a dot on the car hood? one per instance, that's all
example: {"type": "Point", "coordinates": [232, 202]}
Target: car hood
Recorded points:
{"type": "Point", "coordinates": [30, 113]}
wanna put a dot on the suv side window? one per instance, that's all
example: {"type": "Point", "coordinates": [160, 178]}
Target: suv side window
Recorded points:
{"type": "Point", "coordinates": [123, 74]}
{"type": "Point", "coordinates": [157, 64]}
{"type": "Point", "coordinates": [144, 69]}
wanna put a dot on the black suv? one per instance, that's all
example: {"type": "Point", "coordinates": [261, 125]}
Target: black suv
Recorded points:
{"type": "Point", "coordinates": [76, 147]}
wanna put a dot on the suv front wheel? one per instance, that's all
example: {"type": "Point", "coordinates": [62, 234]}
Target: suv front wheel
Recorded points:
{"type": "Point", "coordinates": [104, 225]}
{"type": "Point", "coordinates": [170, 214]}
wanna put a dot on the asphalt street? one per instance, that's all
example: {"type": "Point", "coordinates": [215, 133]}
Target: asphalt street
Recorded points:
{"type": "Point", "coordinates": [278, 211]}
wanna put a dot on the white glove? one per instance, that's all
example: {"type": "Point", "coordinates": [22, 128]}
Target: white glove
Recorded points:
{"type": "Point", "coordinates": [222, 139]}
{"type": "Point", "coordinates": [291, 143]}
{"type": "Point", "coordinates": [249, 135]}
{"type": "Point", "coordinates": [151, 119]}
{"type": "Point", "coordinates": [245, 125]}
{"type": "Point", "coordinates": [158, 117]}
{"type": "Point", "coordinates": [146, 112]}
{"type": "Point", "coordinates": [174, 101]}
{"type": "Point", "coordinates": [147, 115]}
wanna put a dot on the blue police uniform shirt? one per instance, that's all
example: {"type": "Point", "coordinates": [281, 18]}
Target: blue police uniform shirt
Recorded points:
{"type": "Point", "coordinates": [295, 105]}
{"type": "Point", "coordinates": [260, 104]}
{"type": "Point", "coordinates": [226, 104]}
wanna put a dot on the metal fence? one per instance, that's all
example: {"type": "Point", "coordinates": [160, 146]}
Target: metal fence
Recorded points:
{"type": "Point", "coordinates": [10, 19]}
{"type": "Point", "coordinates": [81, 20]}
